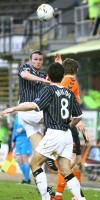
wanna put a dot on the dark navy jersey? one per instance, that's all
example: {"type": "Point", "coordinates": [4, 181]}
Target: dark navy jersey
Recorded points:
{"type": "Point", "coordinates": [58, 105]}
{"type": "Point", "coordinates": [29, 90]}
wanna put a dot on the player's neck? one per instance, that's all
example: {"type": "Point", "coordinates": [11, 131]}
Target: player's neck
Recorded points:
{"type": "Point", "coordinates": [35, 69]}
{"type": "Point", "coordinates": [69, 75]}
{"type": "Point", "coordinates": [58, 84]}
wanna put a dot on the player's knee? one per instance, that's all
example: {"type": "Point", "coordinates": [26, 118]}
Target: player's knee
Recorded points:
{"type": "Point", "coordinates": [34, 165]}
{"type": "Point", "coordinates": [65, 171]}
{"type": "Point", "coordinates": [31, 164]}
{"type": "Point", "coordinates": [77, 166]}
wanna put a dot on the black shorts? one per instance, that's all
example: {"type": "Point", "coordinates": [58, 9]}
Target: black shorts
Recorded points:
{"type": "Point", "coordinates": [76, 141]}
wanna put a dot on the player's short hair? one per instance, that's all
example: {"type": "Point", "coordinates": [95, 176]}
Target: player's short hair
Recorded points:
{"type": "Point", "coordinates": [36, 52]}
{"type": "Point", "coordinates": [56, 72]}
{"type": "Point", "coordinates": [70, 66]}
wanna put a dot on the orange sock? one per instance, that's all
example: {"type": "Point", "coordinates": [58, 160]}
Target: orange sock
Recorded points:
{"type": "Point", "coordinates": [77, 174]}
{"type": "Point", "coordinates": [61, 183]}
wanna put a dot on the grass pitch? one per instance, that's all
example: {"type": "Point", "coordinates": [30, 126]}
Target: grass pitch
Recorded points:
{"type": "Point", "coordinates": [10, 190]}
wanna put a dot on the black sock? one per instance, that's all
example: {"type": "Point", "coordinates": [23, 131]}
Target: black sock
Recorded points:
{"type": "Point", "coordinates": [38, 171]}
{"type": "Point", "coordinates": [69, 177]}
{"type": "Point", "coordinates": [52, 193]}
{"type": "Point", "coordinates": [82, 193]}
{"type": "Point", "coordinates": [51, 164]}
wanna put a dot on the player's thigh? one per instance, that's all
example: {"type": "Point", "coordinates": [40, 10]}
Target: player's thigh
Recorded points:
{"type": "Point", "coordinates": [64, 165]}
{"type": "Point", "coordinates": [37, 161]}
{"type": "Point", "coordinates": [73, 159]}
{"type": "Point", "coordinates": [35, 139]}
{"type": "Point", "coordinates": [78, 159]}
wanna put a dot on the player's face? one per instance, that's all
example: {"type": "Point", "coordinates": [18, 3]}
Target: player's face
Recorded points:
{"type": "Point", "coordinates": [36, 62]}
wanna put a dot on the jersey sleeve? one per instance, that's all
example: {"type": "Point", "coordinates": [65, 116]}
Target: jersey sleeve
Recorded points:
{"type": "Point", "coordinates": [76, 111]}
{"type": "Point", "coordinates": [25, 67]}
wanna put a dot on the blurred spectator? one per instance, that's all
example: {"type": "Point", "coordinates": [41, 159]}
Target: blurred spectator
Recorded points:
{"type": "Point", "coordinates": [3, 133]}
{"type": "Point", "coordinates": [23, 148]}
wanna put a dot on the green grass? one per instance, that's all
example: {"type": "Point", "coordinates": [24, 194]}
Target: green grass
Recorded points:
{"type": "Point", "coordinates": [10, 190]}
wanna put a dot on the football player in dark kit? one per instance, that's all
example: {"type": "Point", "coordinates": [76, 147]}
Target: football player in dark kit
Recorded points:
{"type": "Point", "coordinates": [58, 104]}
{"type": "Point", "coordinates": [31, 81]}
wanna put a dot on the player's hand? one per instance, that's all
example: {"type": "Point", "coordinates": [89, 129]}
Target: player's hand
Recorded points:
{"type": "Point", "coordinates": [47, 77]}
{"type": "Point", "coordinates": [57, 58]}
{"type": "Point", "coordinates": [6, 111]}
{"type": "Point", "coordinates": [86, 138]}
{"type": "Point", "coordinates": [80, 127]}
{"type": "Point", "coordinates": [46, 82]}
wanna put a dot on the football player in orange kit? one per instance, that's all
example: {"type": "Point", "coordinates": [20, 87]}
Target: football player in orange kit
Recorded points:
{"type": "Point", "coordinates": [69, 81]}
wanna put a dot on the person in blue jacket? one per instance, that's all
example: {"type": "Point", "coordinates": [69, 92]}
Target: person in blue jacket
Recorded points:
{"type": "Point", "coordinates": [23, 148]}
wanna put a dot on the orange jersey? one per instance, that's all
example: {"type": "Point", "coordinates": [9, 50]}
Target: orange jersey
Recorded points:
{"type": "Point", "coordinates": [70, 83]}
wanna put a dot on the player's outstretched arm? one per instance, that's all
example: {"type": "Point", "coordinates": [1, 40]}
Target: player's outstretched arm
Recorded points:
{"type": "Point", "coordinates": [31, 77]}
{"type": "Point", "coordinates": [81, 127]}
{"type": "Point", "coordinates": [74, 122]}
{"type": "Point", "coordinates": [6, 111]}
{"type": "Point", "coordinates": [24, 107]}
{"type": "Point", "coordinates": [86, 138]}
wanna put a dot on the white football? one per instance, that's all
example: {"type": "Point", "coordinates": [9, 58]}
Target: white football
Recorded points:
{"type": "Point", "coordinates": [45, 12]}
